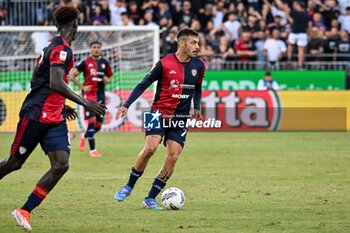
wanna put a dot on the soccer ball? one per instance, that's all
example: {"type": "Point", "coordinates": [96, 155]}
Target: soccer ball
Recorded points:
{"type": "Point", "coordinates": [173, 198]}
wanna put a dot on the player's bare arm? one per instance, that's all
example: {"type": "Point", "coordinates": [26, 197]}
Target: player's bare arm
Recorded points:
{"type": "Point", "coordinates": [107, 79]}
{"type": "Point", "coordinates": [57, 84]}
{"type": "Point", "coordinates": [74, 76]}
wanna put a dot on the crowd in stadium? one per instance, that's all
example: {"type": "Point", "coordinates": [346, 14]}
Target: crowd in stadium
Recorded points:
{"type": "Point", "coordinates": [247, 30]}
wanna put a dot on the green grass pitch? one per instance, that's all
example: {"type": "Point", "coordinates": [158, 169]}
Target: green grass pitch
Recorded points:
{"type": "Point", "coordinates": [233, 182]}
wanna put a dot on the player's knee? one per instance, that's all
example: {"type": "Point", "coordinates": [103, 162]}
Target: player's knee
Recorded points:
{"type": "Point", "coordinates": [98, 126]}
{"type": "Point", "coordinates": [60, 168]}
{"type": "Point", "coordinates": [150, 150]}
{"type": "Point", "coordinates": [172, 156]}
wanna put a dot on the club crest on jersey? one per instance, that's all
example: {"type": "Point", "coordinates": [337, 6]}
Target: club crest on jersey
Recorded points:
{"type": "Point", "coordinates": [103, 66]}
{"type": "Point", "coordinates": [22, 150]}
{"type": "Point", "coordinates": [194, 72]}
{"type": "Point", "coordinates": [63, 56]}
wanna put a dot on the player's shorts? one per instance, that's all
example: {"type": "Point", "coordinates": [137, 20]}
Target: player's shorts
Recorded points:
{"type": "Point", "coordinates": [89, 115]}
{"type": "Point", "coordinates": [176, 134]}
{"type": "Point", "coordinates": [299, 39]}
{"type": "Point", "coordinates": [52, 137]}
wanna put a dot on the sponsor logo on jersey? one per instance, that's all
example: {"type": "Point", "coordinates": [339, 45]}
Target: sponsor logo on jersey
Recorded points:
{"type": "Point", "coordinates": [172, 72]}
{"type": "Point", "coordinates": [194, 72]}
{"type": "Point", "coordinates": [180, 96]}
{"type": "Point", "coordinates": [63, 56]}
{"type": "Point", "coordinates": [90, 65]}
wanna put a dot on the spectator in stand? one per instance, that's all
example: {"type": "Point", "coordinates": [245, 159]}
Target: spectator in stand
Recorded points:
{"type": "Point", "coordinates": [125, 20]}
{"type": "Point", "coordinates": [2, 16]}
{"type": "Point", "coordinates": [343, 47]}
{"type": "Point", "coordinates": [317, 22]}
{"type": "Point", "coordinates": [268, 84]}
{"type": "Point", "coordinates": [224, 49]}
{"type": "Point", "coordinates": [231, 27]}
{"type": "Point", "coordinates": [300, 23]}
{"type": "Point", "coordinates": [186, 16]}
{"type": "Point", "coordinates": [259, 44]}
{"type": "Point", "coordinates": [245, 47]}
{"type": "Point", "coordinates": [331, 43]}
{"type": "Point", "coordinates": [278, 25]}
{"type": "Point", "coordinates": [134, 12]}
{"type": "Point", "coordinates": [171, 43]}
{"type": "Point", "coordinates": [196, 25]}
{"type": "Point", "coordinates": [315, 45]}
{"type": "Point", "coordinates": [274, 50]}
{"type": "Point", "coordinates": [148, 19]}
{"type": "Point", "coordinates": [116, 11]}
{"type": "Point", "coordinates": [343, 4]}
{"type": "Point", "coordinates": [163, 12]}
{"type": "Point", "coordinates": [206, 16]}
{"type": "Point", "coordinates": [329, 11]}
{"type": "Point", "coordinates": [98, 18]}
{"type": "Point", "coordinates": [344, 20]}
{"type": "Point", "coordinates": [206, 52]}
{"type": "Point", "coordinates": [218, 14]}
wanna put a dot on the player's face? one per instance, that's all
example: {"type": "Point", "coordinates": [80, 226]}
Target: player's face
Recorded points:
{"type": "Point", "coordinates": [192, 46]}
{"type": "Point", "coordinates": [96, 50]}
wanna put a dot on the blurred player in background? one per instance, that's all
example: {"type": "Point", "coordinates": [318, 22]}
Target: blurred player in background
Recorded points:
{"type": "Point", "coordinates": [43, 113]}
{"type": "Point", "coordinates": [179, 77]}
{"type": "Point", "coordinates": [97, 73]}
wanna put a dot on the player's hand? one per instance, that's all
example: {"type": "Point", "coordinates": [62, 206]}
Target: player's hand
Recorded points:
{"type": "Point", "coordinates": [198, 114]}
{"type": "Point", "coordinates": [71, 113]}
{"type": "Point", "coordinates": [106, 80]}
{"type": "Point", "coordinates": [121, 112]}
{"type": "Point", "coordinates": [87, 88]}
{"type": "Point", "coordinates": [96, 107]}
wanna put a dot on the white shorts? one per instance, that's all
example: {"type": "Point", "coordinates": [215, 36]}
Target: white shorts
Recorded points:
{"type": "Point", "coordinates": [299, 39]}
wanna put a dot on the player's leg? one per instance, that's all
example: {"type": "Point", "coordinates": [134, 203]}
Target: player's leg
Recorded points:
{"type": "Point", "coordinates": [151, 145]}
{"type": "Point", "coordinates": [174, 141]}
{"type": "Point", "coordinates": [27, 137]}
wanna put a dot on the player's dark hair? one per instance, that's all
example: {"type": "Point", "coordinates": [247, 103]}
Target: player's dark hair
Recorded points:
{"type": "Point", "coordinates": [185, 32]}
{"type": "Point", "coordinates": [65, 15]}
{"type": "Point", "coordinates": [267, 73]}
{"type": "Point", "coordinates": [95, 42]}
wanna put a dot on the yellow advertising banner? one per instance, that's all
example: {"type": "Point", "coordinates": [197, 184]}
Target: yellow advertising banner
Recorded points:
{"type": "Point", "coordinates": [238, 111]}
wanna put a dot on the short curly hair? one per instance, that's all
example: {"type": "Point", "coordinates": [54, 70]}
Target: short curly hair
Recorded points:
{"type": "Point", "coordinates": [66, 14]}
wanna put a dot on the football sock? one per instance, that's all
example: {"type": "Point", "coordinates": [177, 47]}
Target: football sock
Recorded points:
{"type": "Point", "coordinates": [157, 186]}
{"type": "Point", "coordinates": [134, 176]}
{"type": "Point", "coordinates": [35, 198]}
{"type": "Point", "coordinates": [98, 126]}
{"type": "Point", "coordinates": [90, 135]}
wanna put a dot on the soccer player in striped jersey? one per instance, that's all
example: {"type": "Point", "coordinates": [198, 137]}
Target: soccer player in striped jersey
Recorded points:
{"type": "Point", "coordinates": [97, 73]}
{"type": "Point", "coordinates": [43, 114]}
{"type": "Point", "coordinates": [179, 77]}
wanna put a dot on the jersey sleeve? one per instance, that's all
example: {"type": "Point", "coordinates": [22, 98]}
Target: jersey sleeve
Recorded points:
{"type": "Point", "coordinates": [81, 66]}
{"type": "Point", "coordinates": [154, 75]}
{"type": "Point", "coordinates": [108, 70]}
{"type": "Point", "coordinates": [61, 56]}
{"type": "Point", "coordinates": [198, 91]}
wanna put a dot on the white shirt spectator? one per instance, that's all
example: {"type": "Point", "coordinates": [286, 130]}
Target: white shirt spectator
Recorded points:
{"type": "Point", "coordinates": [275, 11]}
{"type": "Point", "coordinates": [116, 14]}
{"type": "Point", "coordinates": [344, 20]}
{"type": "Point", "coordinates": [233, 27]}
{"type": "Point", "coordinates": [343, 4]}
{"type": "Point", "coordinates": [40, 40]}
{"type": "Point", "coordinates": [274, 49]}
{"type": "Point", "coordinates": [218, 18]}
{"type": "Point", "coordinates": [263, 85]}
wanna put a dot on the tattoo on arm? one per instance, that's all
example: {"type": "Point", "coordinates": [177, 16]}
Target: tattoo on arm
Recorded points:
{"type": "Point", "coordinates": [164, 175]}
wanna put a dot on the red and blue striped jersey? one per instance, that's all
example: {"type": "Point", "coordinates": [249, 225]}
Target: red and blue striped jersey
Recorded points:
{"type": "Point", "coordinates": [94, 71]}
{"type": "Point", "coordinates": [178, 83]}
{"type": "Point", "coordinates": [42, 103]}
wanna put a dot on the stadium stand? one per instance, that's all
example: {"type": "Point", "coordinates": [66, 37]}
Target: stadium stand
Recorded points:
{"type": "Point", "coordinates": [234, 31]}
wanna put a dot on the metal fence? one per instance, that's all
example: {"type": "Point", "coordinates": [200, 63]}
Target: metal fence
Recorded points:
{"type": "Point", "coordinates": [25, 12]}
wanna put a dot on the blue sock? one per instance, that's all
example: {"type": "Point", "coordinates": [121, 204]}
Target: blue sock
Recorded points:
{"type": "Point", "coordinates": [134, 176]}
{"type": "Point", "coordinates": [35, 198]}
{"type": "Point", "coordinates": [157, 186]}
{"type": "Point", "coordinates": [89, 135]}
